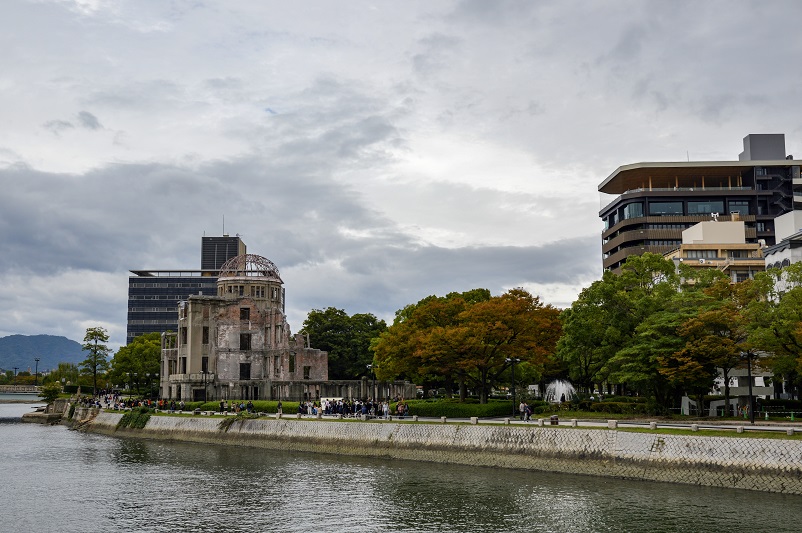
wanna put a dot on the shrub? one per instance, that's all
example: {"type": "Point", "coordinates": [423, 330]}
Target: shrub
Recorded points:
{"type": "Point", "coordinates": [136, 418]}
{"type": "Point", "coordinates": [625, 399]}
{"type": "Point", "coordinates": [259, 406]}
{"type": "Point", "coordinates": [619, 407]}
{"type": "Point", "coordinates": [455, 409]}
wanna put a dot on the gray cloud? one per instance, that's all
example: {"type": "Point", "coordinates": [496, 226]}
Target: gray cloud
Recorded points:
{"type": "Point", "coordinates": [89, 121]}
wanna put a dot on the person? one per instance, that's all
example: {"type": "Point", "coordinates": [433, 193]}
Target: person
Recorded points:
{"type": "Point", "coordinates": [222, 406]}
{"type": "Point", "coordinates": [521, 409]}
{"type": "Point", "coordinates": [278, 408]}
{"type": "Point", "coordinates": [527, 412]}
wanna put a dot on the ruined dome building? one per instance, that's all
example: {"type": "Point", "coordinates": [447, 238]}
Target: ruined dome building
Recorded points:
{"type": "Point", "coordinates": [237, 345]}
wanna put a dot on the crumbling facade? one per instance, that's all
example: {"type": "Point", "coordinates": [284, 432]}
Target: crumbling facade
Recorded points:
{"type": "Point", "coordinates": [237, 345]}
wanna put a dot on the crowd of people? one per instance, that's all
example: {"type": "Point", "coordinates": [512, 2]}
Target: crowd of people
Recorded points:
{"type": "Point", "coordinates": [352, 408]}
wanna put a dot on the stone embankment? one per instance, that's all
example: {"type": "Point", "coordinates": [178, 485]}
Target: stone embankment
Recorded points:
{"type": "Point", "coordinates": [771, 465]}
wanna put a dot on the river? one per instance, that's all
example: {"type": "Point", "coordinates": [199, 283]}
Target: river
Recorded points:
{"type": "Point", "coordinates": [54, 479]}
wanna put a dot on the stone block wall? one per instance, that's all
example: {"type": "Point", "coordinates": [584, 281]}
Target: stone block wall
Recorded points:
{"type": "Point", "coordinates": [746, 463]}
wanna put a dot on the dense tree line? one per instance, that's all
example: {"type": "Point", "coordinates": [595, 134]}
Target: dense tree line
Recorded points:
{"type": "Point", "coordinates": [662, 334]}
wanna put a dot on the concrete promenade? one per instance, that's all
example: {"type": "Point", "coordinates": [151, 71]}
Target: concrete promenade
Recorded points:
{"type": "Point", "coordinates": [773, 465]}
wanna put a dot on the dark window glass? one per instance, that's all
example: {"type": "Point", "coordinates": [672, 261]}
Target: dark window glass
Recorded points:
{"type": "Point", "coordinates": [633, 210]}
{"type": "Point", "coordinates": [307, 371]}
{"type": "Point", "coordinates": [245, 313]}
{"type": "Point", "coordinates": [665, 208]}
{"type": "Point", "coordinates": [205, 335]}
{"type": "Point", "coordinates": [245, 371]}
{"type": "Point", "coordinates": [741, 206]}
{"type": "Point", "coordinates": [705, 208]}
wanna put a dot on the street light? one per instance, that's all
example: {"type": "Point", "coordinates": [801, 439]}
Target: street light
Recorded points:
{"type": "Point", "coordinates": [373, 390]}
{"type": "Point", "coordinates": [749, 356]}
{"type": "Point", "coordinates": [15, 374]}
{"type": "Point", "coordinates": [512, 361]}
{"type": "Point", "coordinates": [203, 375]}
{"type": "Point", "coordinates": [36, 380]}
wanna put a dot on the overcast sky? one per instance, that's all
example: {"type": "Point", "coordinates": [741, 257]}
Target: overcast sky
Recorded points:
{"type": "Point", "coordinates": [377, 152]}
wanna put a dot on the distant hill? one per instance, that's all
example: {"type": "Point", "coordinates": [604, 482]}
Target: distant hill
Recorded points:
{"type": "Point", "coordinates": [20, 350]}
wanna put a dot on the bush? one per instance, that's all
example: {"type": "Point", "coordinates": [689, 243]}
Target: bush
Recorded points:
{"type": "Point", "coordinates": [136, 418]}
{"type": "Point", "coordinates": [452, 408]}
{"type": "Point", "coordinates": [625, 399]}
{"type": "Point", "coordinates": [259, 406]}
{"type": "Point", "coordinates": [619, 407]}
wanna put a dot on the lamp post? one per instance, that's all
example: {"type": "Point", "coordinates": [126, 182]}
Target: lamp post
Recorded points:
{"type": "Point", "coordinates": [512, 361]}
{"type": "Point", "coordinates": [373, 389]}
{"type": "Point", "coordinates": [749, 377]}
{"type": "Point", "coordinates": [15, 374]}
{"type": "Point", "coordinates": [203, 375]}
{"type": "Point", "coordinates": [36, 379]}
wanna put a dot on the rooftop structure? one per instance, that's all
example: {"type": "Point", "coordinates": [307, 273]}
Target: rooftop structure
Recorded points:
{"type": "Point", "coordinates": [719, 245]}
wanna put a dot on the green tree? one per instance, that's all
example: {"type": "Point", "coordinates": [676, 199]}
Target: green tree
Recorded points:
{"type": "Point", "coordinates": [50, 392]}
{"type": "Point", "coordinates": [97, 361]}
{"type": "Point", "coordinates": [138, 361]}
{"type": "Point", "coordinates": [346, 339]}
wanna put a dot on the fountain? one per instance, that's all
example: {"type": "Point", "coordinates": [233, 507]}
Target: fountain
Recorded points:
{"type": "Point", "coordinates": [559, 391]}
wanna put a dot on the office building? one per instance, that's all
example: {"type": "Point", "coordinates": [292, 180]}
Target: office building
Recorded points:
{"type": "Point", "coordinates": [649, 205]}
{"type": "Point", "coordinates": [153, 294]}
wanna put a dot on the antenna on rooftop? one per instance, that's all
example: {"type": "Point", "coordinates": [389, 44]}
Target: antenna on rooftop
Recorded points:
{"type": "Point", "coordinates": [688, 155]}
{"type": "Point", "coordinates": [224, 224]}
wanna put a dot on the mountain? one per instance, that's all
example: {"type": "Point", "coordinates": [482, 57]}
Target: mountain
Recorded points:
{"type": "Point", "coordinates": [20, 350]}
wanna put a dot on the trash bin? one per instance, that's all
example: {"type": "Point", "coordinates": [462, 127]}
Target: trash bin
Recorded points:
{"type": "Point", "coordinates": [555, 420]}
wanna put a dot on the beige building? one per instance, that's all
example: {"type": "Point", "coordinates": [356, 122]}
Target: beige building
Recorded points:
{"type": "Point", "coordinates": [721, 245]}
{"type": "Point", "coordinates": [237, 345]}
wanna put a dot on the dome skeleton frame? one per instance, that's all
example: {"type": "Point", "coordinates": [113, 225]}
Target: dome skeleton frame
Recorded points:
{"type": "Point", "coordinates": [249, 265]}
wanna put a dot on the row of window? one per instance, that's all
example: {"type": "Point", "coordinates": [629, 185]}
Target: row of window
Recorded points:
{"type": "Point", "coordinates": [157, 297]}
{"type": "Point", "coordinates": [668, 208]}
{"type": "Point", "coordinates": [245, 368]}
{"type": "Point", "coordinates": [171, 285]}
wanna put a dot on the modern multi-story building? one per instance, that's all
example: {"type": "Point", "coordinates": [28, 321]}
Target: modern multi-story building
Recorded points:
{"type": "Point", "coordinates": [653, 203]}
{"type": "Point", "coordinates": [153, 295]}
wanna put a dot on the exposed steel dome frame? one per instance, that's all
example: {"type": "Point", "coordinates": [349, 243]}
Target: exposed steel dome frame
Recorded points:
{"type": "Point", "coordinates": [249, 266]}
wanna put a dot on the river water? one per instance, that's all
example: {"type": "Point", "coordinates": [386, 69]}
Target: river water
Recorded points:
{"type": "Point", "coordinates": [54, 479]}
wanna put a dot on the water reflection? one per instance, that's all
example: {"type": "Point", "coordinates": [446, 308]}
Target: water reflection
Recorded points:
{"type": "Point", "coordinates": [137, 485]}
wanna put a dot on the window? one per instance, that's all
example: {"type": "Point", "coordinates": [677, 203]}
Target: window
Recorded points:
{"type": "Point", "coordinates": [665, 208]}
{"type": "Point", "coordinates": [244, 341]}
{"type": "Point", "coordinates": [633, 210]}
{"type": "Point", "coordinates": [701, 254]}
{"type": "Point", "coordinates": [760, 226]}
{"type": "Point", "coordinates": [245, 313]}
{"type": "Point", "coordinates": [183, 365]}
{"type": "Point", "coordinates": [245, 371]}
{"type": "Point", "coordinates": [307, 371]}
{"type": "Point", "coordinates": [183, 335]}
{"type": "Point", "coordinates": [741, 206]}
{"type": "Point", "coordinates": [205, 335]}
{"type": "Point", "coordinates": [267, 337]}
{"type": "Point", "coordinates": [706, 207]}
{"type": "Point", "coordinates": [204, 364]}
{"type": "Point", "coordinates": [276, 365]}
{"type": "Point", "coordinates": [292, 362]}
{"type": "Point", "coordinates": [737, 254]}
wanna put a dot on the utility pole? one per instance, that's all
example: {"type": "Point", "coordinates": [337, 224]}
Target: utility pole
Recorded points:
{"type": "Point", "coordinates": [36, 380]}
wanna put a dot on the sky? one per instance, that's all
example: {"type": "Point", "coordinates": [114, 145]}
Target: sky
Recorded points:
{"type": "Point", "coordinates": [376, 152]}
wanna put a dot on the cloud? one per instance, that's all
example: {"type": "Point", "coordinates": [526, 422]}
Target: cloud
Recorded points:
{"type": "Point", "coordinates": [88, 120]}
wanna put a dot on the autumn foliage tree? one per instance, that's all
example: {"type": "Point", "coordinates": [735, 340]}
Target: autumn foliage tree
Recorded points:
{"type": "Point", "coordinates": [470, 338]}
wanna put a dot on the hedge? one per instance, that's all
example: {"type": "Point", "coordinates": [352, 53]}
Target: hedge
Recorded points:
{"type": "Point", "coordinates": [455, 409]}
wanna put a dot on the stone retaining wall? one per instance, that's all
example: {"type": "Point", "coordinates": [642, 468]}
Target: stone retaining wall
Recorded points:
{"type": "Point", "coordinates": [747, 463]}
